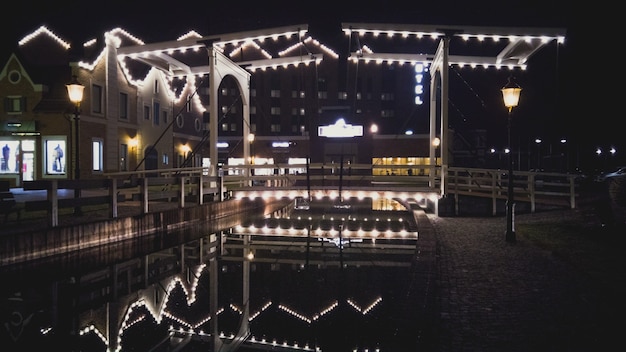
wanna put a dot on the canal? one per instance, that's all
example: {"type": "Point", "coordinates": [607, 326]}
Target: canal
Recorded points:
{"type": "Point", "coordinates": [331, 277]}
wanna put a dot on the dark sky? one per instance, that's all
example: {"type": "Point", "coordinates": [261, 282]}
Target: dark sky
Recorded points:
{"type": "Point", "coordinates": [553, 83]}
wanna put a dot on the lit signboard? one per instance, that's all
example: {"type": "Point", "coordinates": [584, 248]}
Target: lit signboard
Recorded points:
{"type": "Point", "coordinates": [280, 144]}
{"type": "Point", "coordinates": [340, 129]}
{"type": "Point", "coordinates": [419, 85]}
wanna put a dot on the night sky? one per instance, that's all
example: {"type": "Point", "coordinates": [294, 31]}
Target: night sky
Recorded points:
{"type": "Point", "coordinates": [551, 104]}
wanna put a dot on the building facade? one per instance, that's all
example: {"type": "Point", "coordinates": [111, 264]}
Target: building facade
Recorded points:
{"type": "Point", "coordinates": [142, 112]}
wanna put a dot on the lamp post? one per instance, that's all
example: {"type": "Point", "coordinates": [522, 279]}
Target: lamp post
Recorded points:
{"type": "Point", "coordinates": [251, 158]}
{"type": "Point", "coordinates": [510, 95]}
{"type": "Point", "coordinates": [75, 93]}
{"type": "Point", "coordinates": [538, 142]}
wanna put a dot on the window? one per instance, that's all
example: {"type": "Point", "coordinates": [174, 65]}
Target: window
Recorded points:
{"type": "Point", "coordinates": [387, 113]}
{"type": "Point", "coordinates": [97, 155]}
{"type": "Point", "coordinates": [55, 158]}
{"type": "Point", "coordinates": [275, 110]}
{"type": "Point", "coordinates": [124, 106]}
{"type": "Point", "coordinates": [165, 159]}
{"type": "Point", "coordinates": [224, 91]}
{"type": "Point", "coordinates": [387, 97]}
{"type": "Point", "coordinates": [275, 93]}
{"type": "Point", "coordinates": [298, 94]}
{"type": "Point", "coordinates": [156, 86]}
{"type": "Point", "coordinates": [322, 95]}
{"type": "Point", "coordinates": [164, 116]}
{"type": "Point", "coordinates": [342, 95]}
{"type": "Point", "coordinates": [14, 105]}
{"type": "Point", "coordinates": [96, 99]}
{"type": "Point", "coordinates": [252, 109]}
{"type": "Point", "coordinates": [233, 127]}
{"type": "Point", "coordinates": [124, 157]}
{"type": "Point", "coordinates": [224, 127]}
{"type": "Point", "coordinates": [156, 115]}
{"type": "Point", "coordinates": [275, 127]}
{"type": "Point", "coordinates": [146, 113]}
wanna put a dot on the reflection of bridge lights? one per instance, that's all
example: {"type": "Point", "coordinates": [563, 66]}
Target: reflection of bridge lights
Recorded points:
{"type": "Point", "coordinates": [343, 242]}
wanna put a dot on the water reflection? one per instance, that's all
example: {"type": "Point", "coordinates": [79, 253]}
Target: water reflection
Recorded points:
{"type": "Point", "coordinates": [323, 278]}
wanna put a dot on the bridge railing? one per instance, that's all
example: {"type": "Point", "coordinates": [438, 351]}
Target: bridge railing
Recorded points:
{"type": "Point", "coordinates": [528, 186]}
{"type": "Point", "coordinates": [187, 186]}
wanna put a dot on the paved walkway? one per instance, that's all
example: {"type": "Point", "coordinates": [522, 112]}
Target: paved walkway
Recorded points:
{"type": "Point", "coordinates": [497, 296]}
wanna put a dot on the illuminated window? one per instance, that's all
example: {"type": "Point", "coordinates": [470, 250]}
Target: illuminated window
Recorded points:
{"type": "Point", "coordinates": [342, 95]}
{"type": "Point", "coordinates": [275, 93]}
{"type": "Point", "coordinates": [97, 155]}
{"type": "Point", "coordinates": [55, 156]}
{"type": "Point", "coordinates": [275, 110]}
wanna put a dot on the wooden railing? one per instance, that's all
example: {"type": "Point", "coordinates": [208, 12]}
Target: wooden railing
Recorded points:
{"type": "Point", "coordinates": [189, 186]}
{"type": "Point", "coordinates": [532, 187]}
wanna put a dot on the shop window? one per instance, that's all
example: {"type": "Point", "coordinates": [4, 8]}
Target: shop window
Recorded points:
{"type": "Point", "coordinates": [55, 156]}
{"type": "Point", "coordinates": [9, 162]}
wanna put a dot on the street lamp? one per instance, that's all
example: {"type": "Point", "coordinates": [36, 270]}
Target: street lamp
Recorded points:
{"type": "Point", "coordinates": [75, 93]}
{"type": "Point", "coordinates": [510, 95]}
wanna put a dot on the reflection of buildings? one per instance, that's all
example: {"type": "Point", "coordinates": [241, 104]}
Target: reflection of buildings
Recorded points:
{"type": "Point", "coordinates": [139, 113]}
